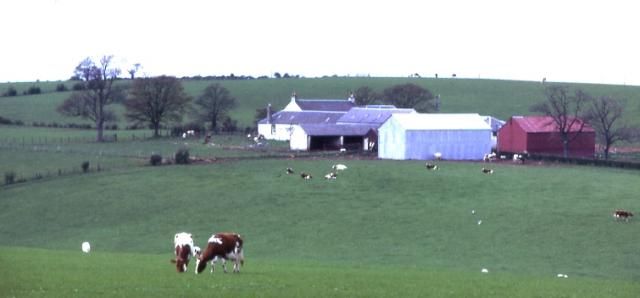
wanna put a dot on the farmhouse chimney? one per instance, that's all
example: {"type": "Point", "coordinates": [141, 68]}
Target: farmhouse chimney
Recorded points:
{"type": "Point", "coordinates": [269, 114]}
{"type": "Point", "coordinates": [294, 97]}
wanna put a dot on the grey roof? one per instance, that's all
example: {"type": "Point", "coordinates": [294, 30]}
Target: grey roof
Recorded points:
{"type": "Point", "coordinates": [291, 117]}
{"type": "Point", "coordinates": [371, 116]}
{"type": "Point", "coordinates": [338, 105]}
{"type": "Point", "coordinates": [495, 123]}
{"type": "Point", "coordinates": [336, 129]}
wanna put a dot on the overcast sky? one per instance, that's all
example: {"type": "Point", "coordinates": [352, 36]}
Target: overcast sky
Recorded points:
{"type": "Point", "coordinates": [570, 41]}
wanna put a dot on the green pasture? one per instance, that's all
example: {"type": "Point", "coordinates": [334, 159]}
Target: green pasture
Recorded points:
{"type": "Point", "coordinates": [49, 273]}
{"type": "Point", "coordinates": [499, 98]}
{"type": "Point", "coordinates": [381, 223]}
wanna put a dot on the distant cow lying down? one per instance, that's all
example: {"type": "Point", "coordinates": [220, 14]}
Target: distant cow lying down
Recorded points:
{"type": "Point", "coordinates": [223, 246]}
{"type": "Point", "coordinates": [622, 214]}
{"type": "Point", "coordinates": [305, 176]}
{"type": "Point", "coordinates": [487, 171]}
{"type": "Point", "coordinates": [431, 166]}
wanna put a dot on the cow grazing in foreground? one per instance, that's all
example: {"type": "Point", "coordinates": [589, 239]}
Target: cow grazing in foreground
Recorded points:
{"type": "Point", "coordinates": [184, 249]}
{"type": "Point", "coordinates": [431, 166]}
{"type": "Point", "coordinates": [223, 246]}
{"type": "Point", "coordinates": [305, 176]}
{"type": "Point", "coordinates": [487, 171]}
{"type": "Point", "coordinates": [622, 214]}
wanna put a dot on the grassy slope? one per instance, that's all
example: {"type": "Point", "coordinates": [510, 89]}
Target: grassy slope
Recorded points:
{"type": "Point", "coordinates": [536, 221]}
{"type": "Point", "coordinates": [492, 97]}
{"type": "Point", "coordinates": [46, 273]}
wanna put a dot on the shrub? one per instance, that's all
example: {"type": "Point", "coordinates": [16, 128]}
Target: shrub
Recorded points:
{"type": "Point", "coordinates": [61, 88]}
{"type": "Point", "coordinates": [85, 166]}
{"type": "Point", "coordinates": [156, 159]}
{"type": "Point", "coordinates": [79, 86]}
{"type": "Point", "coordinates": [11, 91]}
{"type": "Point", "coordinates": [9, 177]}
{"type": "Point", "coordinates": [182, 156]}
{"type": "Point", "coordinates": [34, 90]}
{"type": "Point", "coordinates": [5, 120]}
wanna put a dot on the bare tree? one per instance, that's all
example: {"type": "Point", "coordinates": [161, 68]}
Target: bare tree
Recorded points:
{"type": "Point", "coordinates": [565, 109]}
{"type": "Point", "coordinates": [214, 104]}
{"type": "Point", "coordinates": [99, 92]}
{"type": "Point", "coordinates": [410, 96]}
{"type": "Point", "coordinates": [156, 101]}
{"type": "Point", "coordinates": [133, 70]}
{"type": "Point", "coordinates": [605, 115]}
{"type": "Point", "coordinates": [366, 96]}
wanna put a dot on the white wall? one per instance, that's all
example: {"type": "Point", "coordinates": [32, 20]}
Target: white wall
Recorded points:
{"type": "Point", "coordinates": [282, 132]}
{"type": "Point", "coordinates": [299, 140]}
{"type": "Point", "coordinates": [391, 140]}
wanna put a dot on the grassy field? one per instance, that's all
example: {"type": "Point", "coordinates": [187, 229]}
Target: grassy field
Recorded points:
{"type": "Point", "coordinates": [381, 223]}
{"type": "Point", "coordinates": [499, 98]}
{"type": "Point", "coordinates": [47, 273]}
{"type": "Point", "coordinates": [383, 228]}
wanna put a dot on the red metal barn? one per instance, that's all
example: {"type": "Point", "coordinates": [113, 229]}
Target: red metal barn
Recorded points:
{"type": "Point", "coordinates": [540, 135]}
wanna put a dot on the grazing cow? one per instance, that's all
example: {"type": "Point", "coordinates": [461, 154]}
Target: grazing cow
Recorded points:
{"type": "Point", "coordinates": [489, 157]}
{"type": "Point", "coordinates": [431, 166]}
{"type": "Point", "coordinates": [290, 171]}
{"type": "Point", "coordinates": [331, 175]}
{"type": "Point", "coordinates": [184, 249]}
{"type": "Point", "coordinates": [223, 246]}
{"type": "Point", "coordinates": [622, 214]}
{"type": "Point", "coordinates": [305, 176]}
{"type": "Point", "coordinates": [339, 167]}
{"type": "Point", "coordinates": [487, 171]}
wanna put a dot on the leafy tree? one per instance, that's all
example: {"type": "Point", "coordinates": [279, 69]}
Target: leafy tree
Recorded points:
{"type": "Point", "coordinates": [214, 103]}
{"type": "Point", "coordinates": [410, 96]}
{"type": "Point", "coordinates": [99, 92]}
{"type": "Point", "coordinates": [366, 96]}
{"type": "Point", "coordinates": [605, 115]}
{"type": "Point", "coordinates": [566, 110]}
{"type": "Point", "coordinates": [155, 101]}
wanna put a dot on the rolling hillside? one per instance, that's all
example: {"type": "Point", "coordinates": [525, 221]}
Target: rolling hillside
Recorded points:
{"type": "Point", "coordinates": [499, 98]}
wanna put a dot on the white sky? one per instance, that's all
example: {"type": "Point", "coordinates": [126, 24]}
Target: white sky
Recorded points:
{"type": "Point", "coordinates": [571, 41]}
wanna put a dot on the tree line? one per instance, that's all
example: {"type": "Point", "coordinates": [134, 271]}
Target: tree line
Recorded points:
{"type": "Point", "coordinates": [158, 101]}
{"type": "Point", "coordinates": [151, 101]}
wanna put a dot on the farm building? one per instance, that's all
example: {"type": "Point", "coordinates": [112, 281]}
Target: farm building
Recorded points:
{"type": "Point", "coordinates": [420, 136]}
{"type": "Point", "coordinates": [540, 135]}
{"type": "Point", "coordinates": [333, 137]}
{"type": "Point", "coordinates": [281, 125]}
{"type": "Point", "coordinates": [495, 124]}
{"type": "Point", "coordinates": [355, 130]}
{"type": "Point", "coordinates": [333, 105]}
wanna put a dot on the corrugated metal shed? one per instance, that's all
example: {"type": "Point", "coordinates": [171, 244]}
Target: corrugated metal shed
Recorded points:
{"type": "Point", "coordinates": [540, 135]}
{"type": "Point", "coordinates": [420, 136]}
{"type": "Point", "coordinates": [545, 124]}
{"type": "Point", "coordinates": [335, 130]}
{"type": "Point", "coordinates": [284, 117]}
{"type": "Point", "coordinates": [372, 116]}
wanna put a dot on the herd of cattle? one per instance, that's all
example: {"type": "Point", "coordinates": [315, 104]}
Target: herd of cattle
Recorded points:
{"type": "Point", "coordinates": [220, 246]}
{"type": "Point", "coordinates": [229, 246]}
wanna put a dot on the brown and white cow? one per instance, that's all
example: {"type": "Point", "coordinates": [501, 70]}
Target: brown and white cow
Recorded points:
{"type": "Point", "coordinates": [622, 214]}
{"type": "Point", "coordinates": [184, 249]}
{"type": "Point", "coordinates": [223, 246]}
